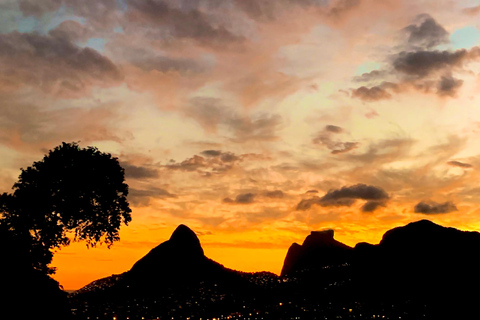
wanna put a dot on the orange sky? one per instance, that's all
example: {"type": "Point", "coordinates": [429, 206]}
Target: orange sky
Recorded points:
{"type": "Point", "coordinates": [252, 122]}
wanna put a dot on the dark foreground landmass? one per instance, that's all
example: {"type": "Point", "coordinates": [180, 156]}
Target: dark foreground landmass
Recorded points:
{"type": "Point", "coordinates": [419, 271]}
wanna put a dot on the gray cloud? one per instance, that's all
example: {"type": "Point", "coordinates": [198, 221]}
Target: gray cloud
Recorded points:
{"type": "Point", "coordinates": [211, 113]}
{"type": "Point", "coordinates": [448, 86]}
{"type": "Point", "coordinates": [139, 172]}
{"type": "Point", "coordinates": [333, 129]}
{"type": "Point", "coordinates": [243, 198]}
{"type": "Point", "coordinates": [431, 207]}
{"type": "Point", "coordinates": [418, 66]}
{"type": "Point", "coordinates": [455, 163]}
{"type": "Point", "coordinates": [179, 22]}
{"type": "Point", "coordinates": [224, 156]}
{"type": "Point", "coordinates": [426, 33]}
{"type": "Point", "coordinates": [53, 64]}
{"type": "Point", "coordinates": [371, 206]}
{"type": "Point", "coordinates": [375, 93]}
{"type": "Point", "coordinates": [276, 194]}
{"type": "Point", "coordinates": [139, 197]}
{"type": "Point", "coordinates": [211, 153]}
{"type": "Point", "coordinates": [97, 12]}
{"type": "Point", "coordinates": [72, 30]}
{"type": "Point", "coordinates": [358, 191]}
{"type": "Point", "coordinates": [346, 196]}
{"type": "Point", "coordinates": [422, 63]}
{"type": "Point", "coordinates": [191, 164]}
{"type": "Point", "coordinates": [325, 138]}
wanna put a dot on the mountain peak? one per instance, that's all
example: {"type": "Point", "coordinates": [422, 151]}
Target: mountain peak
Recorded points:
{"type": "Point", "coordinates": [322, 237]}
{"type": "Point", "coordinates": [183, 233]}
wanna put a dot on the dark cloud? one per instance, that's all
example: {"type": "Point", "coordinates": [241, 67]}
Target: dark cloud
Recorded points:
{"type": "Point", "coordinates": [371, 206]}
{"type": "Point", "coordinates": [448, 86]}
{"type": "Point", "coordinates": [166, 64]}
{"type": "Point", "coordinates": [333, 129]}
{"type": "Point", "coordinates": [276, 194]}
{"type": "Point", "coordinates": [97, 12]}
{"type": "Point", "coordinates": [224, 156]}
{"type": "Point", "coordinates": [72, 30]}
{"type": "Point", "coordinates": [211, 153]}
{"type": "Point", "coordinates": [422, 63]}
{"type": "Point", "coordinates": [265, 10]}
{"type": "Point", "coordinates": [53, 64]}
{"type": "Point", "coordinates": [431, 207]}
{"type": "Point", "coordinates": [375, 93]}
{"type": "Point", "coordinates": [426, 33]}
{"type": "Point", "coordinates": [358, 191]}
{"type": "Point", "coordinates": [179, 22]}
{"type": "Point", "coordinates": [325, 138]}
{"type": "Point", "coordinates": [346, 196]}
{"type": "Point", "coordinates": [191, 164]}
{"type": "Point", "coordinates": [139, 172]}
{"type": "Point", "coordinates": [243, 198]}
{"type": "Point", "coordinates": [459, 164]}
{"type": "Point", "coordinates": [418, 65]}
{"type": "Point", "coordinates": [139, 197]}
{"type": "Point", "coordinates": [261, 127]}
{"type": "Point", "coordinates": [38, 7]}
{"type": "Point", "coordinates": [306, 204]}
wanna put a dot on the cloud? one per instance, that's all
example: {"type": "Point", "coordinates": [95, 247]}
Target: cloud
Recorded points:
{"type": "Point", "coordinates": [448, 86]}
{"type": "Point", "coordinates": [417, 65]}
{"type": "Point", "coordinates": [472, 10]}
{"type": "Point", "coordinates": [191, 164]}
{"type": "Point", "coordinates": [72, 30]}
{"type": "Point", "coordinates": [422, 63]}
{"type": "Point", "coordinates": [224, 156]}
{"type": "Point", "coordinates": [101, 13]}
{"type": "Point", "coordinates": [276, 194]}
{"type": "Point", "coordinates": [333, 129]}
{"type": "Point", "coordinates": [431, 207]}
{"type": "Point", "coordinates": [325, 138]}
{"type": "Point", "coordinates": [139, 172]}
{"type": "Point", "coordinates": [426, 33]}
{"type": "Point", "coordinates": [371, 206]}
{"type": "Point", "coordinates": [211, 114]}
{"type": "Point", "coordinates": [347, 196]}
{"type": "Point", "coordinates": [375, 93]}
{"type": "Point", "coordinates": [54, 64]}
{"type": "Point", "coordinates": [243, 198]}
{"type": "Point", "coordinates": [179, 22]}
{"type": "Point", "coordinates": [29, 121]}
{"type": "Point", "coordinates": [358, 191]}
{"type": "Point", "coordinates": [455, 163]}
{"type": "Point", "coordinates": [141, 197]}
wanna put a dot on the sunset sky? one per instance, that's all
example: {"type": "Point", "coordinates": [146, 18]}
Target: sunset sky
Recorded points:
{"type": "Point", "coordinates": [253, 122]}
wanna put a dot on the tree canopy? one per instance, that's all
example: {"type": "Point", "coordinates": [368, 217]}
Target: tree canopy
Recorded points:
{"type": "Point", "coordinates": [74, 194]}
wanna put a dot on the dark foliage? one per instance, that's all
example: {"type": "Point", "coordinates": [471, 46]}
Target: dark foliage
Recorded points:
{"type": "Point", "coordinates": [72, 191]}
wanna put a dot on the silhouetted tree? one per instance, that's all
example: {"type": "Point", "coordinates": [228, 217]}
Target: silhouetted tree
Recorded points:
{"type": "Point", "coordinates": [72, 193]}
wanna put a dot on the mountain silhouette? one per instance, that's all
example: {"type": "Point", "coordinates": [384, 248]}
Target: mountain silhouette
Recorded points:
{"type": "Point", "coordinates": [422, 263]}
{"type": "Point", "coordinates": [319, 249]}
{"type": "Point", "coordinates": [418, 271]}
